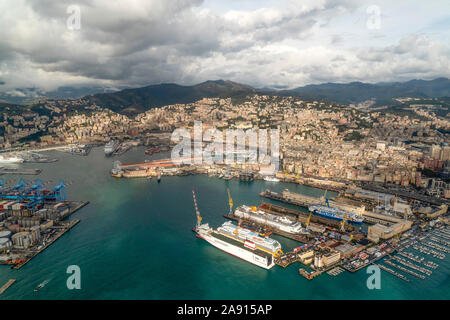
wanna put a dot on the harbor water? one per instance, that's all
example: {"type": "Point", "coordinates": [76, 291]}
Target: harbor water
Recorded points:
{"type": "Point", "coordinates": [135, 241]}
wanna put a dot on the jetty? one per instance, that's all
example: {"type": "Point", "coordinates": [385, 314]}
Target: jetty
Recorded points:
{"type": "Point", "coordinates": [8, 284]}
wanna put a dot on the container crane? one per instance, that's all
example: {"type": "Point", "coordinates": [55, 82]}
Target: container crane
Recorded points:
{"type": "Point", "coordinates": [197, 212]}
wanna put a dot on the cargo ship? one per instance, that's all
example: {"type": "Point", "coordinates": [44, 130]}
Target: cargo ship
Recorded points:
{"type": "Point", "coordinates": [246, 250]}
{"type": "Point", "coordinates": [335, 213]}
{"type": "Point", "coordinates": [111, 147]}
{"type": "Point", "coordinates": [272, 220]}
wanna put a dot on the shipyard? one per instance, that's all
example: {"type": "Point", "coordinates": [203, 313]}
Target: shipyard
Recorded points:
{"type": "Point", "coordinates": [356, 226]}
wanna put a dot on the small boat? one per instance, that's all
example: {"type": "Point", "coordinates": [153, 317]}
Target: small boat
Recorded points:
{"type": "Point", "coordinates": [271, 179]}
{"type": "Point", "coordinates": [149, 178]}
{"type": "Point", "coordinates": [41, 285]}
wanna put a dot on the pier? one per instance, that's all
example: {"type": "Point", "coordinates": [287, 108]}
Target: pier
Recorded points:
{"type": "Point", "coordinates": [335, 271]}
{"type": "Point", "coordinates": [389, 262]}
{"type": "Point", "coordinates": [398, 275]}
{"type": "Point", "coordinates": [8, 284]}
{"type": "Point", "coordinates": [22, 171]}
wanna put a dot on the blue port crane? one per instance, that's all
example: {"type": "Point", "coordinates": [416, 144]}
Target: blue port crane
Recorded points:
{"type": "Point", "coordinates": [35, 195]}
{"type": "Point", "coordinates": [16, 192]}
{"type": "Point", "coordinates": [58, 193]}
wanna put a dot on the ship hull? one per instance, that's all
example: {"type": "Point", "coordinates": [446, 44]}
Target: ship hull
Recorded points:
{"type": "Point", "coordinates": [336, 218]}
{"type": "Point", "coordinates": [243, 254]}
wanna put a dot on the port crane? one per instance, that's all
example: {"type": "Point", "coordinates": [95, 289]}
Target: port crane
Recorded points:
{"type": "Point", "coordinates": [197, 212]}
{"type": "Point", "coordinates": [308, 220]}
{"type": "Point", "coordinates": [230, 201]}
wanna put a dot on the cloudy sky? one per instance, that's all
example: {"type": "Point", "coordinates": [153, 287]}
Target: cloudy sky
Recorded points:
{"type": "Point", "coordinates": [277, 43]}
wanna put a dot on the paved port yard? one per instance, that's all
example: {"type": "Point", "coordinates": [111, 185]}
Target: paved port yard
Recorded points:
{"type": "Point", "coordinates": [63, 227]}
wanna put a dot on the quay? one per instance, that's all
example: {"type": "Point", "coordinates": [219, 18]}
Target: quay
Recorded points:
{"type": "Point", "coordinates": [21, 171]}
{"type": "Point", "coordinates": [309, 275]}
{"type": "Point", "coordinates": [303, 216]}
{"type": "Point", "coordinates": [8, 284]}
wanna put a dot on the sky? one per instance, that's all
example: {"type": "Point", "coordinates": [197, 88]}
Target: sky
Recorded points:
{"type": "Point", "coordinates": [46, 44]}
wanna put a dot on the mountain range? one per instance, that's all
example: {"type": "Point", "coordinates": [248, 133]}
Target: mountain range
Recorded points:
{"type": "Point", "coordinates": [132, 101]}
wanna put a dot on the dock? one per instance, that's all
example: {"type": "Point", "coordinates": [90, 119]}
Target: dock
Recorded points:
{"type": "Point", "coordinates": [398, 275]}
{"type": "Point", "coordinates": [303, 216]}
{"type": "Point", "coordinates": [335, 271]}
{"type": "Point", "coordinates": [21, 171]}
{"type": "Point", "coordinates": [8, 284]}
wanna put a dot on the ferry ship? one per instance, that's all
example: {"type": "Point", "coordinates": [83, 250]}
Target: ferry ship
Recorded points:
{"type": "Point", "coordinates": [111, 147]}
{"type": "Point", "coordinates": [246, 250]}
{"type": "Point", "coordinates": [10, 159]}
{"type": "Point", "coordinates": [271, 179]}
{"type": "Point", "coordinates": [271, 220]}
{"type": "Point", "coordinates": [335, 213]}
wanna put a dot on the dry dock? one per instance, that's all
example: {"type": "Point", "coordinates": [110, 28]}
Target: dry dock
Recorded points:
{"type": "Point", "coordinates": [8, 284]}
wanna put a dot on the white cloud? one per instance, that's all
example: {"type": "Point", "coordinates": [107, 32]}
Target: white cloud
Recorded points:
{"type": "Point", "coordinates": [288, 43]}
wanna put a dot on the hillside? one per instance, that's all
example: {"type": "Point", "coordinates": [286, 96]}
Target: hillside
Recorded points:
{"type": "Point", "coordinates": [134, 101]}
{"type": "Point", "coordinates": [383, 93]}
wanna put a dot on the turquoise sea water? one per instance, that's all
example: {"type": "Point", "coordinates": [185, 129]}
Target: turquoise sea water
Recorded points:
{"type": "Point", "coordinates": [135, 241]}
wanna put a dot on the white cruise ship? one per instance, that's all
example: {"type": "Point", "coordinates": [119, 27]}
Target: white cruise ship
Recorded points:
{"type": "Point", "coordinates": [111, 147]}
{"type": "Point", "coordinates": [267, 244]}
{"type": "Point", "coordinates": [245, 250]}
{"type": "Point", "coordinates": [11, 159]}
{"type": "Point", "coordinates": [272, 220]}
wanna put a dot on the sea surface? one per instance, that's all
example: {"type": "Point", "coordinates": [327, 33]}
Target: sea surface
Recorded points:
{"type": "Point", "coordinates": [135, 241]}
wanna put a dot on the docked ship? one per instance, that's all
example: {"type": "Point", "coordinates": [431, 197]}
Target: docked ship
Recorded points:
{"type": "Point", "coordinates": [111, 147]}
{"type": "Point", "coordinates": [10, 159]}
{"type": "Point", "coordinates": [246, 250]}
{"type": "Point", "coordinates": [335, 213]}
{"type": "Point", "coordinates": [271, 179]}
{"type": "Point", "coordinates": [237, 232]}
{"type": "Point", "coordinates": [262, 217]}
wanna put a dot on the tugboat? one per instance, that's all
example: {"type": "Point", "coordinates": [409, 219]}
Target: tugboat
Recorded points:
{"type": "Point", "coordinates": [41, 285]}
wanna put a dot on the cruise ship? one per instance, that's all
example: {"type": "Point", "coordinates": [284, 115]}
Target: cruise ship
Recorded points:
{"type": "Point", "coordinates": [111, 147]}
{"type": "Point", "coordinates": [335, 213]}
{"type": "Point", "coordinates": [271, 220]}
{"type": "Point", "coordinates": [246, 250]}
{"type": "Point", "coordinates": [11, 159]}
{"type": "Point", "coordinates": [267, 244]}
